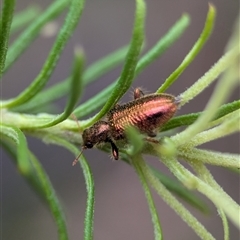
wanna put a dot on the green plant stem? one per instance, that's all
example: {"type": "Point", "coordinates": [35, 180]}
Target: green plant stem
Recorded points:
{"type": "Point", "coordinates": [71, 21]}
{"type": "Point", "coordinates": [219, 67]}
{"type": "Point", "coordinates": [51, 199]}
{"type": "Point", "coordinates": [10, 147]}
{"type": "Point", "coordinates": [89, 213]}
{"type": "Point", "coordinates": [61, 89]}
{"type": "Point", "coordinates": [17, 136]}
{"type": "Point", "coordinates": [225, 224]}
{"type": "Point", "coordinates": [228, 127]}
{"type": "Point", "coordinates": [31, 32]}
{"type": "Point", "coordinates": [128, 71]}
{"type": "Point", "coordinates": [32, 171]}
{"type": "Point", "coordinates": [135, 139]}
{"type": "Point", "coordinates": [162, 45]}
{"type": "Point", "coordinates": [174, 203]}
{"type": "Point", "coordinates": [29, 122]}
{"type": "Point", "coordinates": [5, 26]}
{"type": "Point", "coordinates": [221, 200]}
{"type": "Point", "coordinates": [155, 219]}
{"type": "Point", "coordinates": [207, 177]}
{"type": "Point", "coordinates": [220, 94]}
{"type": "Point", "coordinates": [210, 157]}
{"type": "Point", "coordinates": [188, 119]}
{"type": "Point", "coordinates": [174, 186]}
{"type": "Point", "coordinates": [193, 52]}
{"type": "Point", "coordinates": [25, 17]}
{"type": "Point", "coordinates": [75, 90]}
{"type": "Point", "coordinates": [105, 64]}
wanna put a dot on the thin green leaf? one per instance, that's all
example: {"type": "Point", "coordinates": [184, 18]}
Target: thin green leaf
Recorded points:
{"type": "Point", "coordinates": [161, 46]}
{"type": "Point", "coordinates": [5, 26]}
{"type": "Point", "coordinates": [221, 92]}
{"type": "Point", "coordinates": [128, 72]}
{"type": "Point", "coordinates": [89, 214]}
{"type": "Point", "coordinates": [71, 21]}
{"type": "Point", "coordinates": [174, 33]}
{"type": "Point", "coordinates": [105, 64]}
{"type": "Point", "coordinates": [61, 89]}
{"type": "Point", "coordinates": [229, 126]}
{"type": "Point", "coordinates": [228, 60]}
{"type": "Point", "coordinates": [225, 224]}
{"type": "Point", "coordinates": [207, 177]}
{"type": "Point", "coordinates": [175, 204]}
{"type": "Point", "coordinates": [135, 139]}
{"type": "Point", "coordinates": [75, 91]}
{"type": "Point", "coordinates": [7, 145]}
{"type": "Point", "coordinates": [10, 147]}
{"type": "Point", "coordinates": [176, 187]}
{"type": "Point", "coordinates": [51, 198]}
{"type": "Point", "coordinates": [155, 219]}
{"type": "Point", "coordinates": [49, 108]}
{"type": "Point", "coordinates": [94, 102]}
{"type": "Point", "coordinates": [25, 17]}
{"type": "Point", "coordinates": [194, 51]}
{"type": "Point", "coordinates": [45, 97]}
{"type": "Point", "coordinates": [24, 40]}
{"type": "Point", "coordinates": [210, 157]}
{"type": "Point", "coordinates": [219, 198]}
{"type": "Point", "coordinates": [188, 119]}
{"type": "Point", "coordinates": [39, 181]}
{"type": "Point", "coordinates": [18, 137]}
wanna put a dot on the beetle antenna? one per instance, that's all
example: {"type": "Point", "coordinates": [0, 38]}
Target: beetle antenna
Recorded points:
{"type": "Point", "coordinates": [77, 158]}
{"type": "Point", "coordinates": [79, 155]}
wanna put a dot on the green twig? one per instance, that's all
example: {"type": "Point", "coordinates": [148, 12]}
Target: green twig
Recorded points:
{"type": "Point", "coordinates": [228, 127]}
{"type": "Point", "coordinates": [188, 119]}
{"type": "Point", "coordinates": [39, 181]}
{"type": "Point", "coordinates": [206, 176]}
{"type": "Point", "coordinates": [193, 52]}
{"type": "Point", "coordinates": [25, 17]}
{"type": "Point", "coordinates": [73, 16]}
{"type": "Point", "coordinates": [221, 93]}
{"type": "Point", "coordinates": [5, 26]}
{"type": "Point", "coordinates": [51, 198]}
{"type": "Point", "coordinates": [219, 198]}
{"type": "Point", "coordinates": [175, 204]}
{"type": "Point", "coordinates": [75, 90]}
{"type": "Point", "coordinates": [127, 74]}
{"type": "Point", "coordinates": [137, 164]}
{"type": "Point", "coordinates": [17, 136]}
{"type": "Point", "coordinates": [210, 157]}
{"type": "Point", "coordinates": [161, 46]}
{"type": "Point", "coordinates": [31, 32]}
{"type": "Point", "coordinates": [89, 213]}
{"type": "Point", "coordinates": [174, 186]}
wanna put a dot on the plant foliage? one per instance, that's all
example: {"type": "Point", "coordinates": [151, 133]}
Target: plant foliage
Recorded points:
{"type": "Point", "coordinates": [217, 120]}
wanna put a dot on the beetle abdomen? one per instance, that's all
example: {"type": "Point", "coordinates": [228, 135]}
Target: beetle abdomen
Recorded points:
{"type": "Point", "coordinates": [146, 113]}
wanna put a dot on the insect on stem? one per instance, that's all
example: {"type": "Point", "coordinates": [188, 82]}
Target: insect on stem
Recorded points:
{"type": "Point", "coordinates": [147, 113]}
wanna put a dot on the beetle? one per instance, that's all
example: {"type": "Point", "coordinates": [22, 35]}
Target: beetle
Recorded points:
{"type": "Point", "coordinates": [146, 112]}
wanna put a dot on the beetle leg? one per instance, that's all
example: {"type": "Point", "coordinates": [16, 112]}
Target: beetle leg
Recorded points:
{"type": "Point", "coordinates": [151, 134]}
{"type": "Point", "coordinates": [152, 140]}
{"type": "Point", "coordinates": [138, 93]}
{"type": "Point", "coordinates": [114, 149]}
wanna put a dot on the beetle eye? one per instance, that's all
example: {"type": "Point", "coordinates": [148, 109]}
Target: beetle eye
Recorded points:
{"type": "Point", "coordinates": [88, 144]}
